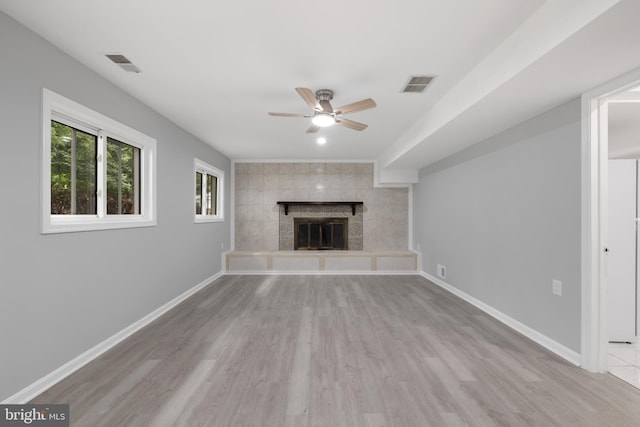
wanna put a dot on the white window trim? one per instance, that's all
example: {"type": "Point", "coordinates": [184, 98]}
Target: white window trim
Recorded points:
{"type": "Point", "coordinates": [57, 106]}
{"type": "Point", "coordinates": [206, 168]}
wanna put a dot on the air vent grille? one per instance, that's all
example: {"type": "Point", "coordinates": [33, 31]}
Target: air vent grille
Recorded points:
{"type": "Point", "coordinates": [119, 59]}
{"type": "Point", "coordinates": [123, 62]}
{"type": "Point", "coordinates": [417, 84]}
{"type": "Point", "coordinates": [420, 80]}
{"type": "Point", "coordinates": [414, 88]}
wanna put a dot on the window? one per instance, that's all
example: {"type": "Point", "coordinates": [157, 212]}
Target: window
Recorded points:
{"type": "Point", "coordinates": [97, 173]}
{"type": "Point", "coordinates": [209, 184]}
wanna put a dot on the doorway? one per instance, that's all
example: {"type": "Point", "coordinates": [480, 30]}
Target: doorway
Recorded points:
{"type": "Point", "coordinates": [595, 156]}
{"type": "Point", "coordinates": [623, 214]}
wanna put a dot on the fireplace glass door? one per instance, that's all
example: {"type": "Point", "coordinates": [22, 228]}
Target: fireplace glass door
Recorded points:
{"type": "Point", "coordinates": [320, 233]}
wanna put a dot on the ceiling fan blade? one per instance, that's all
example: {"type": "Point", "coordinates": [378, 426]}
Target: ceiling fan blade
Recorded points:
{"type": "Point", "coordinates": [313, 129]}
{"type": "Point", "coordinates": [351, 124]}
{"type": "Point", "coordinates": [288, 115]}
{"type": "Point", "coordinates": [365, 104]}
{"type": "Point", "coordinates": [309, 97]}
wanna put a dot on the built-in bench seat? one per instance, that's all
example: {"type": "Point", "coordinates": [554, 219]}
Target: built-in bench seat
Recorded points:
{"type": "Point", "coordinates": [396, 262]}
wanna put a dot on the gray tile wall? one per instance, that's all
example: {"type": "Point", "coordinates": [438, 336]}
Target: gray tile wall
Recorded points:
{"type": "Point", "coordinates": [258, 186]}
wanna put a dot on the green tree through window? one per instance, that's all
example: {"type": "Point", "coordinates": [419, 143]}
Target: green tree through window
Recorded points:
{"type": "Point", "coordinates": [198, 193]}
{"type": "Point", "coordinates": [123, 172]}
{"type": "Point", "coordinates": [73, 171]}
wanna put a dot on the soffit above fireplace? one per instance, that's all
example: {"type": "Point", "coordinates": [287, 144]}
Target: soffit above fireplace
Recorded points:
{"type": "Point", "coordinates": [352, 204]}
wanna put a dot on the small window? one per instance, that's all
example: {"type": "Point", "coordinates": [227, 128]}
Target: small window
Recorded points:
{"type": "Point", "coordinates": [208, 192]}
{"type": "Point", "coordinates": [97, 173]}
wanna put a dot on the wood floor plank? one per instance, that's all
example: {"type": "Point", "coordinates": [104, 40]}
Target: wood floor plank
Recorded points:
{"type": "Point", "coordinates": [336, 351]}
{"type": "Point", "coordinates": [298, 394]}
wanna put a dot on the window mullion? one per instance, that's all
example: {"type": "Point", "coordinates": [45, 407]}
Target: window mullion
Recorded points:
{"type": "Point", "coordinates": [101, 174]}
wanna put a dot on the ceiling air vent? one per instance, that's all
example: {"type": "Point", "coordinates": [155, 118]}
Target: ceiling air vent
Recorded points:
{"type": "Point", "coordinates": [123, 62]}
{"type": "Point", "coordinates": [417, 84]}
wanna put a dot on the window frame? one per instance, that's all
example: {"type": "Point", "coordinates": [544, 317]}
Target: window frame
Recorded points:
{"type": "Point", "coordinates": [57, 107]}
{"type": "Point", "coordinates": [206, 169]}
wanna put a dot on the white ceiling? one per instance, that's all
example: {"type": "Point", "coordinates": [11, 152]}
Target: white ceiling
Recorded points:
{"type": "Point", "coordinates": [216, 68]}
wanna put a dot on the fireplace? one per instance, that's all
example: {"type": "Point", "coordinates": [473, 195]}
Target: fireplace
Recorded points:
{"type": "Point", "coordinates": [320, 225]}
{"type": "Point", "coordinates": [320, 233]}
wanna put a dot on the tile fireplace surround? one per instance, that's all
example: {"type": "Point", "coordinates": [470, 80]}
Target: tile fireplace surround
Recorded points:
{"type": "Point", "coordinates": [379, 244]}
{"type": "Point", "coordinates": [259, 186]}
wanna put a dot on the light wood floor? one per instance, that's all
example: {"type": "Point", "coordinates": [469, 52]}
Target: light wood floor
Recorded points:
{"type": "Point", "coordinates": [336, 351]}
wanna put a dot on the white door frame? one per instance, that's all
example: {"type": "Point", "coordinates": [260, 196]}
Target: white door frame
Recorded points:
{"type": "Point", "coordinates": [595, 157]}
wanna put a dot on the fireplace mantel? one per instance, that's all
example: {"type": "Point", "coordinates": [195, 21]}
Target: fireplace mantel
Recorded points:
{"type": "Point", "coordinates": [352, 204]}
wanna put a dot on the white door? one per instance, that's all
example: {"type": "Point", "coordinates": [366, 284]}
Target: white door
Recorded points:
{"type": "Point", "coordinates": [621, 260]}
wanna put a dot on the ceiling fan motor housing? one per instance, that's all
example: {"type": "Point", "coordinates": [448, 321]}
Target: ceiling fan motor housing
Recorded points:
{"type": "Point", "coordinates": [324, 95]}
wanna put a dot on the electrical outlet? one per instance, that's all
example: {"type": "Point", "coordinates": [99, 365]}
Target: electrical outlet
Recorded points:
{"type": "Point", "coordinates": [557, 287]}
{"type": "Point", "coordinates": [442, 271]}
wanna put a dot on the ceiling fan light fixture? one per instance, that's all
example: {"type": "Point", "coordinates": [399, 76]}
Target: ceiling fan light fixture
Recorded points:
{"type": "Point", "coordinates": [323, 120]}
{"type": "Point", "coordinates": [324, 115]}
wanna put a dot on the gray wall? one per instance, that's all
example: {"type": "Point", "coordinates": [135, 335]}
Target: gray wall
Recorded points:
{"type": "Point", "coordinates": [504, 218]}
{"type": "Point", "coordinates": [61, 294]}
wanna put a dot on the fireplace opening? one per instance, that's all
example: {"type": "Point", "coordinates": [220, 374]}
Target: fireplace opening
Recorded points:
{"type": "Point", "coordinates": [313, 234]}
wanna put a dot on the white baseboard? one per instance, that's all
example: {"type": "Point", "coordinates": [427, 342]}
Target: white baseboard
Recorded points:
{"type": "Point", "coordinates": [46, 382]}
{"type": "Point", "coordinates": [551, 345]}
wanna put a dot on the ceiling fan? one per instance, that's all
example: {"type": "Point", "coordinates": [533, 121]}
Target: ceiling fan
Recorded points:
{"type": "Point", "coordinates": [324, 114]}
